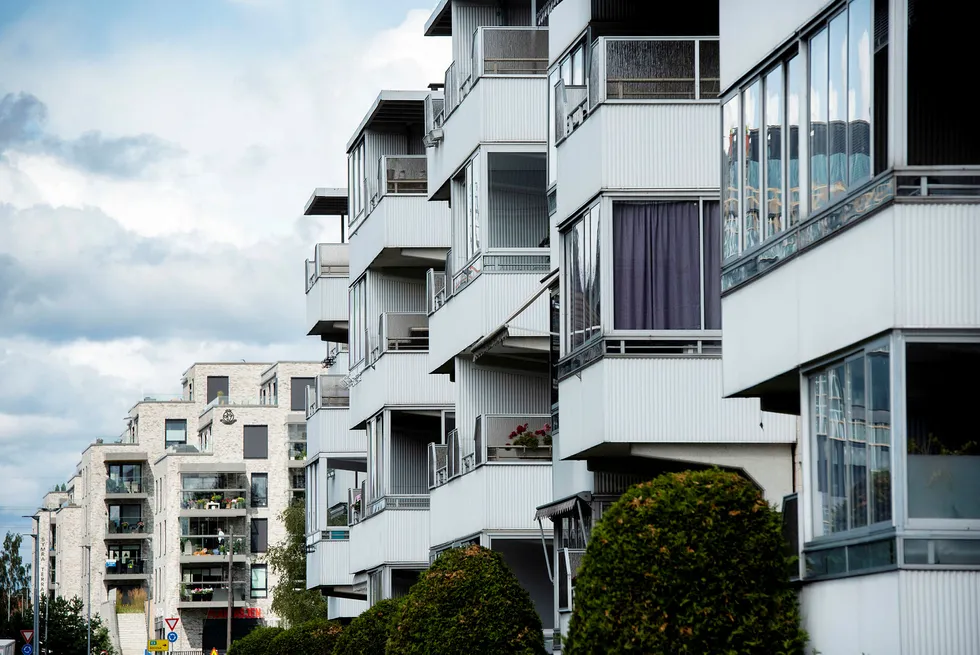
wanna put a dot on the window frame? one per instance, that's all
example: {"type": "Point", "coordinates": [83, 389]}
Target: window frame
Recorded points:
{"type": "Point", "coordinates": [357, 307]}
{"type": "Point", "coordinates": [258, 592]}
{"type": "Point", "coordinates": [357, 181]}
{"type": "Point", "coordinates": [167, 443]}
{"type": "Point", "coordinates": [583, 218]}
{"type": "Point", "coordinates": [254, 500]}
{"type": "Point", "coordinates": [256, 536]}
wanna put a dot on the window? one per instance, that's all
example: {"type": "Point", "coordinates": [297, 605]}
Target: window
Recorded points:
{"type": "Point", "coordinates": [376, 458]}
{"type": "Point", "coordinates": [260, 490]}
{"type": "Point", "coordinates": [260, 535]}
{"type": "Point", "coordinates": [256, 442]}
{"type": "Point", "coordinates": [175, 431]}
{"type": "Point", "coordinates": [582, 280]}
{"type": "Point", "coordinates": [661, 253]}
{"type": "Point", "coordinates": [297, 393]}
{"type": "Point", "coordinates": [943, 451]}
{"type": "Point", "coordinates": [259, 581]}
{"type": "Point", "coordinates": [850, 407]}
{"type": "Point", "coordinates": [125, 478]}
{"type": "Point", "coordinates": [356, 180]}
{"type": "Point", "coordinates": [472, 208]}
{"type": "Point", "coordinates": [553, 129]}
{"type": "Point", "coordinates": [358, 323]}
{"type": "Point", "coordinates": [217, 385]}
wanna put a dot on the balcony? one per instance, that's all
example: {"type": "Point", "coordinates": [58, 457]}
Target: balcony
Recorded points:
{"type": "Point", "coordinates": [327, 418]}
{"type": "Point", "coordinates": [649, 112]}
{"type": "Point", "coordinates": [479, 298]}
{"type": "Point", "coordinates": [129, 489]}
{"type": "Point", "coordinates": [212, 549]}
{"type": "Point", "coordinates": [327, 279]}
{"type": "Point", "coordinates": [327, 566]}
{"type": "Point", "coordinates": [130, 570]}
{"type": "Point", "coordinates": [497, 95]}
{"type": "Point", "coordinates": [213, 495]}
{"type": "Point", "coordinates": [211, 595]}
{"type": "Point", "coordinates": [402, 228]}
{"type": "Point", "coordinates": [389, 530]}
{"type": "Point", "coordinates": [127, 530]}
{"type": "Point", "coordinates": [401, 354]}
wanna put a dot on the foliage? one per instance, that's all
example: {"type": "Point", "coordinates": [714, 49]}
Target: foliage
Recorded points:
{"type": "Point", "coordinates": [15, 577]}
{"type": "Point", "coordinates": [66, 632]}
{"type": "Point", "coordinates": [256, 642]}
{"type": "Point", "coordinates": [131, 602]}
{"type": "Point", "coordinates": [467, 602]}
{"type": "Point", "coordinates": [368, 633]}
{"type": "Point", "coordinates": [691, 562]}
{"type": "Point", "coordinates": [293, 602]}
{"type": "Point", "coordinates": [316, 637]}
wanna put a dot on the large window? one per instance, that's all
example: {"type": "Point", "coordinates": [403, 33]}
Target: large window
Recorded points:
{"type": "Point", "coordinates": [255, 443]}
{"type": "Point", "coordinates": [260, 535]}
{"type": "Point", "coordinates": [358, 323]}
{"type": "Point", "coordinates": [260, 490]}
{"type": "Point", "coordinates": [850, 409]}
{"type": "Point", "coordinates": [666, 270]}
{"type": "Point", "coordinates": [175, 431]}
{"type": "Point", "coordinates": [580, 243]}
{"type": "Point", "coordinates": [260, 581]}
{"type": "Point", "coordinates": [125, 478]}
{"type": "Point", "coordinates": [356, 180]}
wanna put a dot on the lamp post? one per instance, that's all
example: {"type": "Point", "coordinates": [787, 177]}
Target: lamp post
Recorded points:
{"type": "Point", "coordinates": [88, 603]}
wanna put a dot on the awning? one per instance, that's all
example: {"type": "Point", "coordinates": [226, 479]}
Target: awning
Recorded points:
{"type": "Point", "coordinates": [564, 507]}
{"type": "Point", "coordinates": [347, 464]}
{"type": "Point", "coordinates": [501, 333]}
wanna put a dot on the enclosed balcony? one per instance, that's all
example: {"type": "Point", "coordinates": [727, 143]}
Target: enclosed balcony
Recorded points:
{"type": "Point", "coordinates": [126, 570]}
{"type": "Point", "coordinates": [646, 117]}
{"type": "Point", "coordinates": [327, 279]}
{"type": "Point", "coordinates": [209, 594]}
{"type": "Point", "coordinates": [126, 523]}
{"type": "Point", "coordinates": [213, 494]}
{"type": "Point", "coordinates": [496, 94]}
{"type": "Point", "coordinates": [207, 540]}
{"type": "Point", "coordinates": [296, 444]}
{"type": "Point", "coordinates": [327, 418]}
{"type": "Point", "coordinates": [125, 482]}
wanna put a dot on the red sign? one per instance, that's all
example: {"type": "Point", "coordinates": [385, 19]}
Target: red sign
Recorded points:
{"type": "Point", "coordinates": [239, 613]}
{"type": "Point", "coordinates": [172, 624]}
{"type": "Point", "coordinates": [27, 635]}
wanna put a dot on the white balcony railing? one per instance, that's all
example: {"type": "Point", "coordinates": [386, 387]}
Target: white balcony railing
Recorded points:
{"type": "Point", "coordinates": [512, 438]}
{"type": "Point", "coordinates": [329, 260]}
{"type": "Point", "coordinates": [435, 286]}
{"type": "Point", "coordinates": [509, 260]}
{"type": "Point", "coordinates": [329, 391]}
{"type": "Point", "coordinates": [402, 332]}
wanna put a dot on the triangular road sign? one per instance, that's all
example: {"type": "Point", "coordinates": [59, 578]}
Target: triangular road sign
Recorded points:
{"type": "Point", "coordinates": [27, 635]}
{"type": "Point", "coordinates": [214, 651]}
{"type": "Point", "coordinates": [172, 624]}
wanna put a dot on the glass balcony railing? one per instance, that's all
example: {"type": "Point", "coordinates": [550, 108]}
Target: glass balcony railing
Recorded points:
{"type": "Point", "coordinates": [509, 260]}
{"type": "Point", "coordinates": [254, 401]}
{"type": "Point", "coordinates": [209, 592]}
{"type": "Point", "coordinates": [116, 486]}
{"type": "Point", "coordinates": [129, 567]}
{"type": "Point", "coordinates": [211, 545]}
{"type": "Point", "coordinates": [435, 285]}
{"type": "Point", "coordinates": [328, 392]}
{"type": "Point", "coordinates": [438, 465]}
{"type": "Point", "coordinates": [355, 505]}
{"type": "Point", "coordinates": [404, 331]}
{"type": "Point", "coordinates": [512, 438]}
{"type": "Point", "coordinates": [127, 526]}
{"type": "Point", "coordinates": [213, 499]}
{"type": "Point", "coordinates": [297, 450]}
{"type": "Point", "coordinates": [329, 260]}
{"type": "Point", "coordinates": [401, 175]}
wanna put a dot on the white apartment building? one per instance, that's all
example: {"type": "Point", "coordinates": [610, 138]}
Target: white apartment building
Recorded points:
{"type": "Point", "coordinates": [183, 506]}
{"type": "Point", "coordinates": [853, 301]}
{"type": "Point", "coordinates": [633, 117]}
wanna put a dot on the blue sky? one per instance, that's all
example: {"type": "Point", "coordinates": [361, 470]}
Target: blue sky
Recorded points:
{"type": "Point", "coordinates": [155, 157]}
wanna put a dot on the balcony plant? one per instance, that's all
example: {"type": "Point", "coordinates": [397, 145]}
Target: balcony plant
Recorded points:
{"type": "Point", "coordinates": [530, 442]}
{"type": "Point", "coordinates": [125, 526]}
{"type": "Point", "coordinates": [239, 503]}
{"type": "Point", "coordinates": [139, 527]}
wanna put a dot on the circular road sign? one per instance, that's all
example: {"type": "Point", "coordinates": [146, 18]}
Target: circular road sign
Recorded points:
{"type": "Point", "coordinates": [27, 649]}
{"type": "Point", "coordinates": [172, 637]}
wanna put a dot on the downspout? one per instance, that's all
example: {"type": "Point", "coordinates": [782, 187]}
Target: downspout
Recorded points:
{"type": "Point", "coordinates": [544, 547]}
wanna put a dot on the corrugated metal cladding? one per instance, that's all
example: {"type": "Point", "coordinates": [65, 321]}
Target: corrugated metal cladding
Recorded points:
{"type": "Point", "coordinates": [466, 18]}
{"type": "Point", "coordinates": [409, 462]}
{"type": "Point", "coordinates": [393, 536]}
{"type": "Point", "coordinates": [327, 300]}
{"type": "Point", "coordinates": [377, 144]}
{"type": "Point", "coordinates": [399, 222]}
{"type": "Point", "coordinates": [854, 615]}
{"type": "Point", "coordinates": [615, 483]}
{"type": "Point", "coordinates": [517, 205]}
{"type": "Point", "coordinates": [937, 256]}
{"type": "Point", "coordinates": [331, 564]}
{"type": "Point", "coordinates": [490, 391]}
{"type": "Point", "coordinates": [398, 378]}
{"type": "Point", "coordinates": [338, 608]}
{"type": "Point", "coordinates": [389, 293]}
{"type": "Point", "coordinates": [515, 109]}
{"type": "Point", "coordinates": [328, 429]}
{"type": "Point", "coordinates": [940, 612]}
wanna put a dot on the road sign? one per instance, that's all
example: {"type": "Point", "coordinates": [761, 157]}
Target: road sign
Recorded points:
{"type": "Point", "coordinates": [172, 624]}
{"type": "Point", "coordinates": [172, 637]}
{"type": "Point", "coordinates": [27, 649]}
{"type": "Point", "coordinates": [157, 646]}
{"type": "Point", "coordinates": [27, 636]}
{"type": "Point", "coordinates": [214, 651]}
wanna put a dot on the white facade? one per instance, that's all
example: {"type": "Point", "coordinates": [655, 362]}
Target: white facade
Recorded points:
{"type": "Point", "coordinates": [853, 302]}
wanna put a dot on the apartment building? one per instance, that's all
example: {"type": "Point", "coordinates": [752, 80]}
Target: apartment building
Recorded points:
{"type": "Point", "coordinates": [182, 507]}
{"type": "Point", "coordinates": [488, 306]}
{"type": "Point", "coordinates": [850, 283]}
{"type": "Point", "coordinates": [633, 181]}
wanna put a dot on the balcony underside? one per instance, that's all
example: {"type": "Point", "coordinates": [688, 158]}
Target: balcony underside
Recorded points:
{"type": "Point", "coordinates": [126, 577]}
{"type": "Point", "coordinates": [332, 331]}
{"type": "Point", "coordinates": [126, 536]}
{"type": "Point", "coordinates": [214, 513]}
{"type": "Point", "coordinates": [126, 496]}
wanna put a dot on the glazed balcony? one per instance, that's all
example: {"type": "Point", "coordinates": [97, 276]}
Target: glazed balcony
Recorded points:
{"type": "Point", "coordinates": [327, 279]}
{"type": "Point", "coordinates": [212, 595]}
{"type": "Point", "coordinates": [213, 495]}
{"type": "Point", "coordinates": [125, 489]}
{"type": "Point", "coordinates": [197, 549]}
{"type": "Point", "coordinates": [129, 529]}
{"type": "Point", "coordinates": [327, 418]}
{"type": "Point", "coordinates": [130, 570]}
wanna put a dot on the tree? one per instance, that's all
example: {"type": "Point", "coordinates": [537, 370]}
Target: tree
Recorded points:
{"type": "Point", "coordinates": [467, 602]}
{"type": "Point", "coordinates": [256, 642]}
{"type": "Point", "coordinates": [316, 637]}
{"type": "Point", "coordinates": [291, 600]}
{"type": "Point", "coordinates": [691, 562]}
{"type": "Point", "coordinates": [368, 633]}
{"type": "Point", "coordinates": [66, 632]}
{"type": "Point", "coordinates": [15, 578]}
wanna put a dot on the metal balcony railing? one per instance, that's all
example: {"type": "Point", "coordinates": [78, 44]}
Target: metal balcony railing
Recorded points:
{"type": "Point", "coordinates": [402, 332]}
{"type": "Point", "coordinates": [513, 438]}
{"type": "Point", "coordinates": [403, 174]}
{"type": "Point", "coordinates": [460, 454]}
{"type": "Point", "coordinates": [329, 260]}
{"type": "Point", "coordinates": [249, 401]}
{"type": "Point", "coordinates": [355, 505]}
{"type": "Point", "coordinates": [328, 392]}
{"type": "Point", "coordinates": [502, 260]}
{"type": "Point", "coordinates": [435, 287]}
{"type": "Point", "coordinates": [438, 468]}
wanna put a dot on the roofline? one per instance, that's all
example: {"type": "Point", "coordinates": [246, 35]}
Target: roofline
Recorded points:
{"type": "Point", "coordinates": [324, 192]}
{"type": "Point", "coordinates": [384, 96]}
{"type": "Point", "coordinates": [435, 16]}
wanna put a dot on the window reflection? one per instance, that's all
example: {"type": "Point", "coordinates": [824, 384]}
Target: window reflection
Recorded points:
{"type": "Point", "coordinates": [774, 152]}
{"type": "Point", "coordinates": [752, 108]}
{"type": "Point", "coordinates": [859, 92]}
{"type": "Point", "coordinates": [837, 107]}
{"type": "Point", "coordinates": [818, 121]}
{"type": "Point", "coordinates": [793, 98]}
{"type": "Point", "coordinates": [730, 182]}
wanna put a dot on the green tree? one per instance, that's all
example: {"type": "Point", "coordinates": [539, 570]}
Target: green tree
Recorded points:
{"type": "Point", "coordinates": [316, 637]}
{"type": "Point", "coordinates": [368, 633]}
{"type": "Point", "coordinates": [691, 562]}
{"type": "Point", "coordinates": [66, 632]}
{"type": "Point", "coordinates": [467, 602]}
{"type": "Point", "coordinates": [291, 600]}
{"type": "Point", "coordinates": [15, 578]}
{"type": "Point", "coordinates": [256, 642]}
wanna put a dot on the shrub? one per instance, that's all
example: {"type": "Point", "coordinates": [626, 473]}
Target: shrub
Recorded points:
{"type": "Point", "coordinates": [368, 633]}
{"type": "Point", "coordinates": [255, 643]}
{"type": "Point", "coordinates": [467, 602]}
{"type": "Point", "coordinates": [316, 637]}
{"type": "Point", "coordinates": [691, 562]}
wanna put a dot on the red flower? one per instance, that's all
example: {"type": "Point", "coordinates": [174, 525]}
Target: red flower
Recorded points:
{"type": "Point", "coordinates": [547, 427]}
{"type": "Point", "coordinates": [520, 429]}
{"type": "Point", "coordinates": [513, 435]}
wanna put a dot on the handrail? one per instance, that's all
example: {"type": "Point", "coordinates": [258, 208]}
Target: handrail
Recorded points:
{"type": "Point", "coordinates": [501, 260]}
{"type": "Point", "coordinates": [329, 260]}
{"type": "Point", "coordinates": [402, 332]}
{"type": "Point", "coordinates": [402, 175]}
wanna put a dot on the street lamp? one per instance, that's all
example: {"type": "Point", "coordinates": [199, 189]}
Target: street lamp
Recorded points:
{"type": "Point", "coordinates": [88, 604]}
{"type": "Point", "coordinates": [37, 569]}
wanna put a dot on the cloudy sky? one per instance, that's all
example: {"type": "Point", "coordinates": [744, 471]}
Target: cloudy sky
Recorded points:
{"type": "Point", "coordinates": [155, 158]}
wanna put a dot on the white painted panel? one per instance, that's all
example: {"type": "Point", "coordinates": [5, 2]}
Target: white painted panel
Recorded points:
{"type": "Point", "coordinates": [327, 300]}
{"type": "Point", "coordinates": [515, 109]}
{"type": "Point", "coordinates": [398, 379]}
{"type": "Point", "coordinates": [937, 265]}
{"type": "Point", "coordinates": [391, 537]}
{"type": "Point", "coordinates": [327, 431]}
{"type": "Point", "coordinates": [331, 561]}
{"type": "Point", "coordinates": [940, 611]}
{"type": "Point", "coordinates": [854, 615]}
{"type": "Point", "coordinates": [461, 132]}
{"type": "Point", "coordinates": [580, 168]}
{"type": "Point", "coordinates": [399, 222]}
{"type": "Point", "coordinates": [343, 608]}
{"type": "Point", "coordinates": [569, 477]}
{"type": "Point", "coordinates": [580, 411]}
{"type": "Point", "coordinates": [491, 391]}
{"type": "Point", "coordinates": [751, 29]}
{"type": "Point", "coordinates": [565, 23]}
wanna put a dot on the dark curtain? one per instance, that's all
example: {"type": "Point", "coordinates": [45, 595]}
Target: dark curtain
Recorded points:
{"type": "Point", "coordinates": [657, 269]}
{"type": "Point", "coordinates": [712, 265]}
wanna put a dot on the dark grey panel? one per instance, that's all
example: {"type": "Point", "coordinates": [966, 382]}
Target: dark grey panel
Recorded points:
{"type": "Point", "coordinates": [216, 384]}
{"type": "Point", "coordinates": [256, 442]}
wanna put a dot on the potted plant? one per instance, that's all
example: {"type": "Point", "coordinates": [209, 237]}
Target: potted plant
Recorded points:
{"type": "Point", "coordinates": [125, 526]}
{"type": "Point", "coordinates": [201, 502]}
{"type": "Point", "coordinates": [301, 455]}
{"type": "Point", "coordinates": [240, 503]}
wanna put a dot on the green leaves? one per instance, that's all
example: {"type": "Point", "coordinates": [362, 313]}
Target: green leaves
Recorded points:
{"type": "Point", "coordinates": [690, 562]}
{"type": "Point", "coordinates": [291, 600]}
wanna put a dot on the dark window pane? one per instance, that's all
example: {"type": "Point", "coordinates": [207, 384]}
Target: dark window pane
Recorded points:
{"type": "Point", "coordinates": [260, 490]}
{"type": "Point", "coordinates": [260, 535]}
{"type": "Point", "coordinates": [256, 442]}
{"type": "Point", "coordinates": [216, 384]}
{"type": "Point", "coordinates": [297, 393]}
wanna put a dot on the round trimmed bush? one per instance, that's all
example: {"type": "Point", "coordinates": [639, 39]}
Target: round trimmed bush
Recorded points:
{"type": "Point", "coordinates": [316, 637]}
{"type": "Point", "coordinates": [255, 643]}
{"type": "Point", "coordinates": [691, 562]}
{"type": "Point", "coordinates": [368, 633]}
{"type": "Point", "coordinates": [467, 602]}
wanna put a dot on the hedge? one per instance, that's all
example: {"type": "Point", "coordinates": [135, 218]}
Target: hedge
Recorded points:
{"type": "Point", "coordinates": [316, 637]}
{"type": "Point", "coordinates": [691, 562]}
{"type": "Point", "coordinates": [467, 602]}
{"type": "Point", "coordinates": [255, 643]}
{"type": "Point", "coordinates": [368, 633]}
